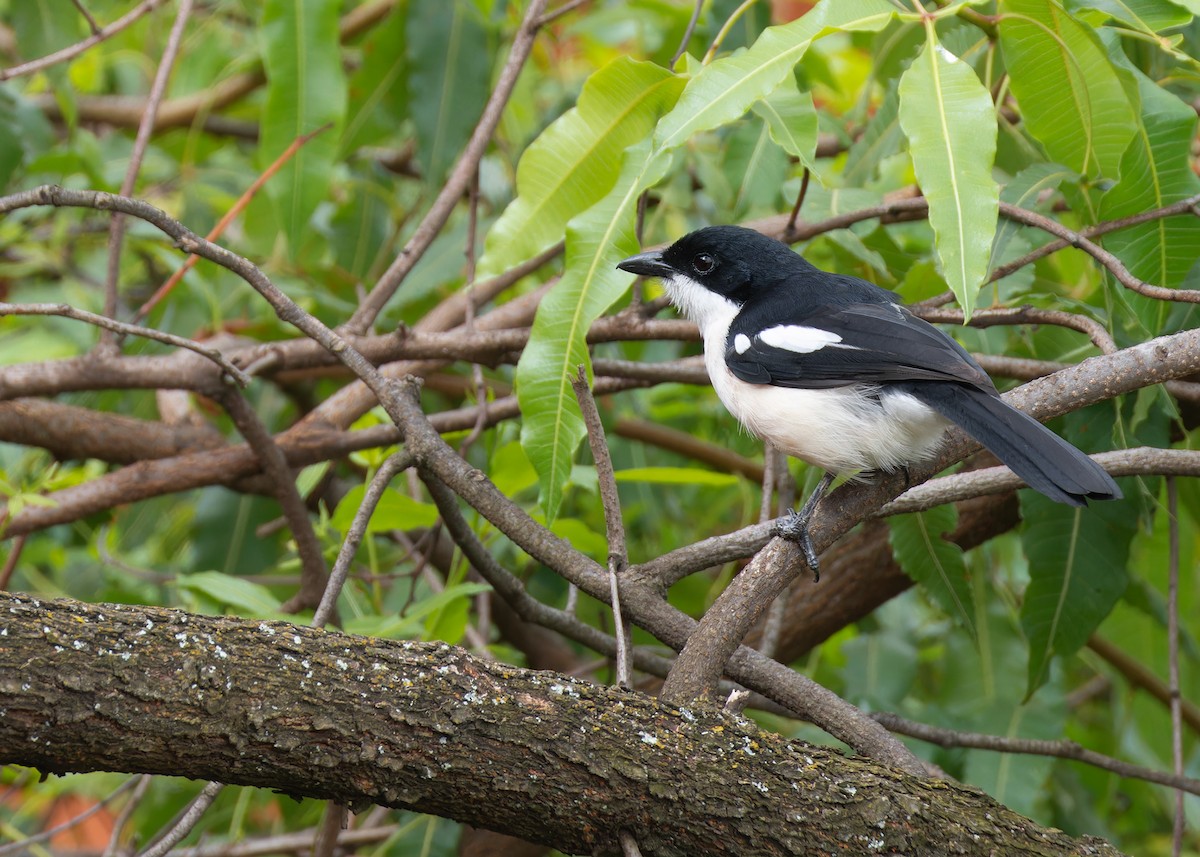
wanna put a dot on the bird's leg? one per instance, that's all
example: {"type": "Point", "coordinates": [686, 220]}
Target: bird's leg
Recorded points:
{"type": "Point", "coordinates": [794, 527]}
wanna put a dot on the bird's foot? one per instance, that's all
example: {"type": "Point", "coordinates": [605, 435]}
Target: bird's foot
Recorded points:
{"type": "Point", "coordinates": [794, 527]}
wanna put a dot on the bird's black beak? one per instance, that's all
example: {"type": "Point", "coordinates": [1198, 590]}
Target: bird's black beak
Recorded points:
{"type": "Point", "coordinates": [649, 264]}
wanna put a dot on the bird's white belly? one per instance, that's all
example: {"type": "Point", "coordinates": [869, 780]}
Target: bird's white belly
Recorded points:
{"type": "Point", "coordinates": [842, 430]}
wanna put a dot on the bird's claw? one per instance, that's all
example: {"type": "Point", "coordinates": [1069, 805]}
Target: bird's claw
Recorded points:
{"type": "Point", "coordinates": [794, 527]}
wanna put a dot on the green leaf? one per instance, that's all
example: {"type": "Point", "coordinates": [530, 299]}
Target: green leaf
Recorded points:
{"type": "Point", "coordinates": [950, 122]}
{"type": "Point", "coordinates": [41, 27]}
{"type": "Point", "coordinates": [1076, 574]}
{"type": "Point", "coordinates": [412, 622]}
{"type": "Point", "coordinates": [1071, 97]}
{"type": "Point", "coordinates": [920, 547]}
{"type": "Point", "coordinates": [676, 476]}
{"type": "Point", "coordinates": [758, 168]}
{"type": "Point", "coordinates": [360, 228]}
{"type": "Point", "coordinates": [1156, 171]}
{"type": "Point", "coordinates": [248, 598]}
{"type": "Point", "coordinates": [881, 138]}
{"type": "Point", "coordinates": [1024, 190]}
{"type": "Point", "coordinates": [378, 90]}
{"type": "Point", "coordinates": [311, 476]}
{"type": "Point", "coordinates": [395, 511]}
{"type": "Point", "coordinates": [306, 89]}
{"type": "Point", "coordinates": [575, 161]}
{"type": "Point", "coordinates": [596, 240]}
{"type": "Point", "coordinates": [448, 80]}
{"type": "Point", "coordinates": [792, 121]}
{"type": "Point", "coordinates": [24, 131]}
{"type": "Point", "coordinates": [582, 537]}
{"type": "Point", "coordinates": [1018, 781]}
{"type": "Point", "coordinates": [725, 89]}
{"type": "Point", "coordinates": [1147, 16]}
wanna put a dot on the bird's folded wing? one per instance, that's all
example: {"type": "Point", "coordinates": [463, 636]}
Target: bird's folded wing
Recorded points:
{"type": "Point", "coordinates": [833, 346]}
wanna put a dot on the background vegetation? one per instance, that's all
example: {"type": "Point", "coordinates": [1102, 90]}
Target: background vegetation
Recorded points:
{"type": "Point", "coordinates": [449, 186]}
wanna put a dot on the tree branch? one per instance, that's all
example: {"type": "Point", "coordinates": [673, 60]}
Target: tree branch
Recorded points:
{"type": "Point", "coordinates": [430, 728]}
{"type": "Point", "coordinates": [458, 180]}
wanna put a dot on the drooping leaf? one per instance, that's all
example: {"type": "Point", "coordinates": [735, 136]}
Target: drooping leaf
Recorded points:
{"type": "Point", "coordinates": [792, 120]}
{"type": "Point", "coordinates": [395, 511]}
{"type": "Point", "coordinates": [596, 240]}
{"type": "Point", "coordinates": [448, 81]}
{"type": "Point", "coordinates": [725, 89]}
{"type": "Point", "coordinates": [378, 89]}
{"type": "Point", "coordinates": [306, 89]}
{"type": "Point", "coordinates": [247, 597]}
{"type": "Point", "coordinates": [41, 27]}
{"type": "Point", "coordinates": [1071, 97]}
{"type": "Point", "coordinates": [1146, 16]}
{"type": "Point", "coordinates": [1024, 190]}
{"type": "Point", "coordinates": [950, 122]}
{"type": "Point", "coordinates": [881, 138]}
{"type": "Point", "coordinates": [1019, 783]}
{"type": "Point", "coordinates": [757, 168]}
{"type": "Point", "coordinates": [575, 161]}
{"type": "Point", "coordinates": [360, 228]}
{"type": "Point", "coordinates": [1156, 171]}
{"type": "Point", "coordinates": [411, 622]}
{"type": "Point", "coordinates": [920, 547]}
{"type": "Point", "coordinates": [1077, 572]}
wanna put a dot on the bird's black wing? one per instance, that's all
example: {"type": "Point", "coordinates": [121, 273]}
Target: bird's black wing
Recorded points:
{"type": "Point", "coordinates": [834, 345]}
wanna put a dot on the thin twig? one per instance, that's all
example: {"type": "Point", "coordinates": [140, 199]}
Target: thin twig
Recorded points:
{"type": "Point", "coordinates": [1139, 675]}
{"type": "Point", "coordinates": [629, 846]}
{"type": "Point", "coordinates": [1095, 331]}
{"type": "Point", "coordinates": [1173, 684]}
{"type": "Point", "coordinates": [237, 208]}
{"type": "Point", "coordinates": [185, 822]}
{"type": "Point", "coordinates": [23, 846]}
{"type": "Point", "coordinates": [459, 178]}
{"type": "Point", "coordinates": [618, 556]}
{"type": "Point", "coordinates": [83, 10]}
{"type": "Point", "coordinates": [333, 822]}
{"type": "Point", "coordinates": [1184, 206]}
{"type": "Point", "coordinates": [683, 42]}
{"type": "Point", "coordinates": [72, 51]}
{"type": "Point", "coordinates": [395, 463]}
{"type": "Point", "coordinates": [773, 462]}
{"type": "Point", "coordinates": [286, 843]}
{"type": "Point", "coordinates": [1105, 258]}
{"type": "Point", "coordinates": [1139, 461]}
{"type": "Point", "coordinates": [116, 226]}
{"type": "Point", "coordinates": [791, 222]}
{"type": "Point", "coordinates": [510, 589]}
{"type": "Point", "coordinates": [481, 390]}
{"type": "Point", "coordinates": [554, 14]}
{"type": "Point", "coordinates": [1033, 747]}
{"type": "Point", "coordinates": [10, 561]}
{"type": "Point", "coordinates": [68, 311]}
{"type": "Point", "coordinates": [724, 31]}
{"type": "Point", "coordinates": [139, 793]}
{"type": "Point", "coordinates": [314, 572]}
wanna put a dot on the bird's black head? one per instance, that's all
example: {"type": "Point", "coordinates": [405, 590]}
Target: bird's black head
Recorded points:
{"type": "Point", "coordinates": [731, 261]}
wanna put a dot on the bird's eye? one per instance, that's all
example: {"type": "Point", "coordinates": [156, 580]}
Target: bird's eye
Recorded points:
{"type": "Point", "coordinates": [704, 263]}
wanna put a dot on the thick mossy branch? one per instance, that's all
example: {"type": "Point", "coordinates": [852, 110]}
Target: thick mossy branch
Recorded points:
{"type": "Point", "coordinates": [429, 727]}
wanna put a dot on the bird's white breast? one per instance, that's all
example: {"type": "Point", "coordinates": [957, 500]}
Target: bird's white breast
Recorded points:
{"type": "Point", "coordinates": [843, 429]}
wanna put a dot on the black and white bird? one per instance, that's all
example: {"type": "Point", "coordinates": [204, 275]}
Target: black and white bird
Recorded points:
{"type": "Point", "coordinates": [835, 371]}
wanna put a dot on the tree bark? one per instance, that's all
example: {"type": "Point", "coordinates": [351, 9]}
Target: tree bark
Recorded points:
{"type": "Point", "coordinates": [428, 727]}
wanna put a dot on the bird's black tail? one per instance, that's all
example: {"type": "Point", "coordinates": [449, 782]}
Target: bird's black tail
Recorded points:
{"type": "Point", "coordinates": [1044, 460]}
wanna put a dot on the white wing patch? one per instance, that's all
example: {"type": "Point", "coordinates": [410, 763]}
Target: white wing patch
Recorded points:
{"type": "Point", "coordinates": [800, 339]}
{"type": "Point", "coordinates": [741, 343]}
